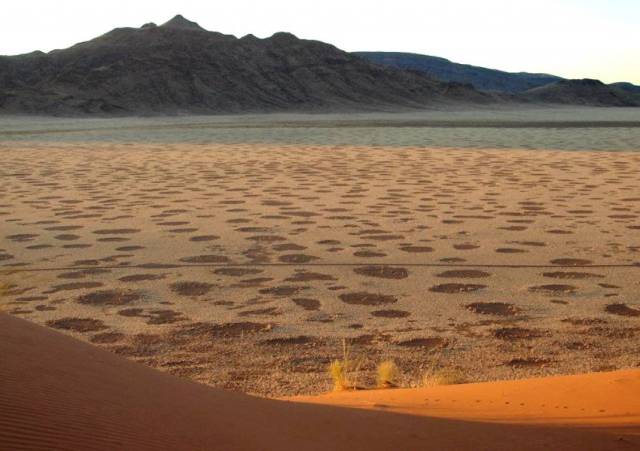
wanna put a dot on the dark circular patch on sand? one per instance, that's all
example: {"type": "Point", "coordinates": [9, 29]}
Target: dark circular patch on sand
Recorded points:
{"type": "Point", "coordinates": [81, 274]}
{"type": "Point", "coordinates": [529, 362]}
{"type": "Point", "coordinates": [383, 272]}
{"type": "Point", "coordinates": [553, 289]}
{"type": "Point", "coordinates": [32, 298]}
{"type": "Point", "coordinates": [141, 277]}
{"type": "Point", "coordinates": [64, 228]}
{"type": "Point", "coordinates": [428, 343]}
{"type": "Point", "coordinates": [282, 290]}
{"type": "Point", "coordinates": [571, 262]}
{"type": "Point", "coordinates": [164, 317]}
{"type": "Point", "coordinates": [107, 338]}
{"type": "Point", "coordinates": [77, 324]}
{"type": "Point", "coordinates": [514, 228]}
{"type": "Point", "coordinates": [110, 297]}
{"type": "Point", "coordinates": [237, 272]}
{"type": "Point", "coordinates": [417, 249]}
{"type": "Point", "coordinates": [208, 331]}
{"type": "Point", "coordinates": [131, 312]}
{"type": "Point", "coordinates": [158, 266]}
{"type": "Point", "coordinates": [74, 286]}
{"type": "Point", "coordinates": [369, 254]}
{"type": "Point", "coordinates": [364, 298]}
{"type": "Point", "coordinates": [622, 310]}
{"type": "Point", "coordinates": [464, 274]}
{"type": "Point", "coordinates": [465, 247]}
{"type": "Point", "coordinates": [531, 243]}
{"type": "Point", "coordinates": [307, 304]}
{"type": "Point", "coordinates": [584, 321]}
{"type": "Point", "coordinates": [185, 230]}
{"type": "Point", "coordinates": [205, 259]}
{"type": "Point", "coordinates": [305, 276]}
{"type": "Point", "coordinates": [289, 341]}
{"type": "Point", "coordinates": [297, 258]}
{"type": "Point", "coordinates": [451, 288]}
{"type": "Point", "coordinates": [387, 237]}
{"type": "Point", "coordinates": [201, 238]}
{"type": "Point", "coordinates": [129, 248]}
{"type": "Point", "coordinates": [67, 237]}
{"type": "Point", "coordinates": [329, 242]}
{"type": "Point", "coordinates": [253, 282]}
{"type": "Point", "coordinates": [116, 231]}
{"type": "Point", "coordinates": [571, 275]}
{"type": "Point", "coordinates": [266, 238]}
{"type": "Point", "coordinates": [510, 250]}
{"type": "Point", "coordinates": [391, 314]}
{"type": "Point", "coordinates": [516, 333]}
{"type": "Point", "coordinates": [21, 238]}
{"type": "Point", "coordinates": [36, 247]}
{"type": "Point", "coordinates": [608, 286]}
{"type": "Point", "coordinates": [288, 247]}
{"type": "Point", "coordinates": [560, 232]}
{"type": "Point", "coordinates": [188, 288]}
{"type": "Point", "coordinates": [113, 239]}
{"type": "Point", "coordinates": [493, 308]}
{"type": "Point", "coordinates": [253, 229]}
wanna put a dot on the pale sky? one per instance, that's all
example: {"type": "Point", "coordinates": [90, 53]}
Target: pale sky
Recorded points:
{"type": "Point", "coordinates": [571, 38]}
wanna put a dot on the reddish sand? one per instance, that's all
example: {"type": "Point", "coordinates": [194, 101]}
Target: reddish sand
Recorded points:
{"type": "Point", "coordinates": [59, 393]}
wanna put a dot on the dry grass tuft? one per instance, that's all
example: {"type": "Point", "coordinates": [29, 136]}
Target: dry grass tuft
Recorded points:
{"type": "Point", "coordinates": [387, 374]}
{"type": "Point", "coordinates": [344, 372]}
{"type": "Point", "coordinates": [442, 377]}
{"type": "Point", "coordinates": [437, 375]}
{"type": "Point", "coordinates": [338, 371]}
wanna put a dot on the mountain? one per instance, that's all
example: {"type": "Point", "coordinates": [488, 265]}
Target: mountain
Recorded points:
{"type": "Point", "coordinates": [442, 69]}
{"type": "Point", "coordinates": [580, 92]}
{"type": "Point", "coordinates": [180, 23]}
{"type": "Point", "coordinates": [628, 89]}
{"type": "Point", "coordinates": [179, 67]}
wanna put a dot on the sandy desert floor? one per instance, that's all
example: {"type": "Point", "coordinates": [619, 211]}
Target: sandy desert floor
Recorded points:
{"type": "Point", "coordinates": [244, 266]}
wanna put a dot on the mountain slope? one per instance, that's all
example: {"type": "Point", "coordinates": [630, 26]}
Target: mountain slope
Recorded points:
{"type": "Point", "coordinates": [628, 89]}
{"type": "Point", "coordinates": [180, 67]}
{"type": "Point", "coordinates": [579, 92]}
{"type": "Point", "coordinates": [443, 69]}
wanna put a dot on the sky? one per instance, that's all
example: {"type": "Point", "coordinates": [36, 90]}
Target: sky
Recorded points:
{"type": "Point", "coordinates": [571, 38]}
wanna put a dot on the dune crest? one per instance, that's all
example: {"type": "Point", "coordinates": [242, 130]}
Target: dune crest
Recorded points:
{"type": "Point", "coordinates": [59, 393]}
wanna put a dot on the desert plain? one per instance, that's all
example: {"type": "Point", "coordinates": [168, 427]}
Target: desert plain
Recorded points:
{"type": "Point", "coordinates": [248, 265]}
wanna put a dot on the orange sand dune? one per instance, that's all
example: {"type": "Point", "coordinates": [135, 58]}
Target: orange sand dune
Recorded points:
{"type": "Point", "coordinates": [59, 393]}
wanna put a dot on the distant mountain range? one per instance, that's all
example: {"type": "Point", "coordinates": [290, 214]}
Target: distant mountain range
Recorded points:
{"type": "Point", "coordinates": [179, 67]}
{"type": "Point", "coordinates": [524, 86]}
{"type": "Point", "coordinates": [443, 69]}
{"type": "Point", "coordinates": [580, 92]}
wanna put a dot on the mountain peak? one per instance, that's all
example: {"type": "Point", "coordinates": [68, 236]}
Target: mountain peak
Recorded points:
{"type": "Point", "coordinates": [179, 22]}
